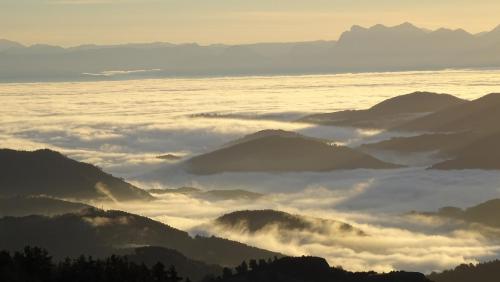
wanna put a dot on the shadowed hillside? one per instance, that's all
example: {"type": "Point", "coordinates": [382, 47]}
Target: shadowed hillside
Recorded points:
{"type": "Point", "coordinates": [45, 172]}
{"type": "Point", "coordinates": [388, 113]}
{"type": "Point", "coordinates": [193, 269]}
{"type": "Point", "coordinates": [480, 115]}
{"type": "Point", "coordinates": [277, 153]}
{"type": "Point", "coordinates": [482, 272]}
{"type": "Point", "coordinates": [36, 264]}
{"type": "Point", "coordinates": [30, 205]}
{"type": "Point", "coordinates": [445, 144]}
{"type": "Point", "coordinates": [309, 269]}
{"type": "Point", "coordinates": [467, 135]}
{"type": "Point", "coordinates": [481, 154]}
{"type": "Point", "coordinates": [99, 233]}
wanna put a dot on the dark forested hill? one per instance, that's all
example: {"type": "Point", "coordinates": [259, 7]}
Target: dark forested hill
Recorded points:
{"type": "Point", "coordinates": [99, 233]}
{"type": "Point", "coordinates": [309, 269]}
{"type": "Point", "coordinates": [388, 113]}
{"type": "Point", "coordinates": [30, 205]}
{"type": "Point", "coordinates": [46, 172]}
{"type": "Point", "coordinates": [277, 153]}
{"type": "Point", "coordinates": [483, 272]}
{"type": "Point", "coordinates": [258, 220]}
{"type": "Point", "coordinates": [35, 264]}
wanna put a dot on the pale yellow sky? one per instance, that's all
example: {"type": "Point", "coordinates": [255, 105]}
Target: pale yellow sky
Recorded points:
{"type": "Point", "coordinates": [74, 22]}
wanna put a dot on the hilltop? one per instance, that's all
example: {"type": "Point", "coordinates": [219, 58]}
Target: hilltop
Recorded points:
{"type": "Point", "coordinates": [278, 153]}
{"type": "Point", "coordinates": [388, 113]}
{"type": "Point", "coordinates": [46, 172]}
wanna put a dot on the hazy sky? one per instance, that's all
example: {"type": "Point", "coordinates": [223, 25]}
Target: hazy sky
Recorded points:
{"type": "Point", "coordinates": [73, 22]}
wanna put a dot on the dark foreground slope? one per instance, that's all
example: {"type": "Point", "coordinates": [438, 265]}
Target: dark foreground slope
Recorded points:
{"type": "Point", "coordinates": [45, 172]}
{"type": "Point", "coordinates": [99, 233]}
{"type": "Point", "coordinates": [483, 272]}
{"type": "Point", "coordinates": [277, 153]}
{"type": "Point", "coordinates": [311, 269]}
{"type": "Point", "coordinates": [30, 205]}
{"type": "Point", "coordinates": [388, 113]}
{"type": "Point", "coordinates": [36, 264]}
{"type": "Point", "coordinates": [259, 220]}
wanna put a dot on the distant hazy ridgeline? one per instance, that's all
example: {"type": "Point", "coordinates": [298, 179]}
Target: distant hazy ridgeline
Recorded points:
{"type": "Point", "coordinates": [378, 48]}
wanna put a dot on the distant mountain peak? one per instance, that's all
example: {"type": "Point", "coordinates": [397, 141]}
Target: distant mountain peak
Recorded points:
{"type": "Point", "coordinates": [8, 44]}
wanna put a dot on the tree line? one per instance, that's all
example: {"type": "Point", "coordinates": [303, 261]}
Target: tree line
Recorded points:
{"type": "Point", "coordinates": [34, 264]}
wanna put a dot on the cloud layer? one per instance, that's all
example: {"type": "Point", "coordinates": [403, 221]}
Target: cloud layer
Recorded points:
{"type": "Point", "coordinates": [124, 126]}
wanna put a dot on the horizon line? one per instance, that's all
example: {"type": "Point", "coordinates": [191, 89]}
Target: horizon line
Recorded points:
{"type": "Point", "coordinates": [251, 43]}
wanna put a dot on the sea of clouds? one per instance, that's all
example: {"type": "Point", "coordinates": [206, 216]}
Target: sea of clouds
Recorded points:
{"type": "Point", "coordinates": [123, 126]}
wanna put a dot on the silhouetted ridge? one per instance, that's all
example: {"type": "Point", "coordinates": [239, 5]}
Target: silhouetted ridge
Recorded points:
{"type": "Point", "coordinates": [388, 113]}
{"type": "Point", "coordinates": [35, 264]}
{"type": "Point", "coordinates": [30, 205]}
{"type": "Point", "coordinates": [379, 48]}
{"type": "Point", "coordinates": [100, 233]}
{"type": "Point", "coordinates": [482, 272]}
{"type": "Point", "coordinates": [195, 270]}
{"type": "Point", "coordinates": [46, 172]}
{"type": "Point", "coordinates": [7, 44]}
{"type": "Point", "coordinates": [276, 153]}
{"type": "Point", "coordinates": [308, 269]}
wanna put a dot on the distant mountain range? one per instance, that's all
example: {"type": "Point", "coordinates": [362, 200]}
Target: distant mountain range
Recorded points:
{"type": "Point", "coordinates": [378, 48]}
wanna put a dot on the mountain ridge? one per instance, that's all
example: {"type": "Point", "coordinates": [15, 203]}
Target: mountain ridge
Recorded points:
{"type": "Point", "coordinates": [282, 151]}
{"type": "Point", "coordinates": [378, 48]}
{"type": "Point", "coordinates": [50, 173]}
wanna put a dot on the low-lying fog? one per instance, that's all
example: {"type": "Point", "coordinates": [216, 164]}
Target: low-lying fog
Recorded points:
{"type": "Point", "coordinates": [124, 126]}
